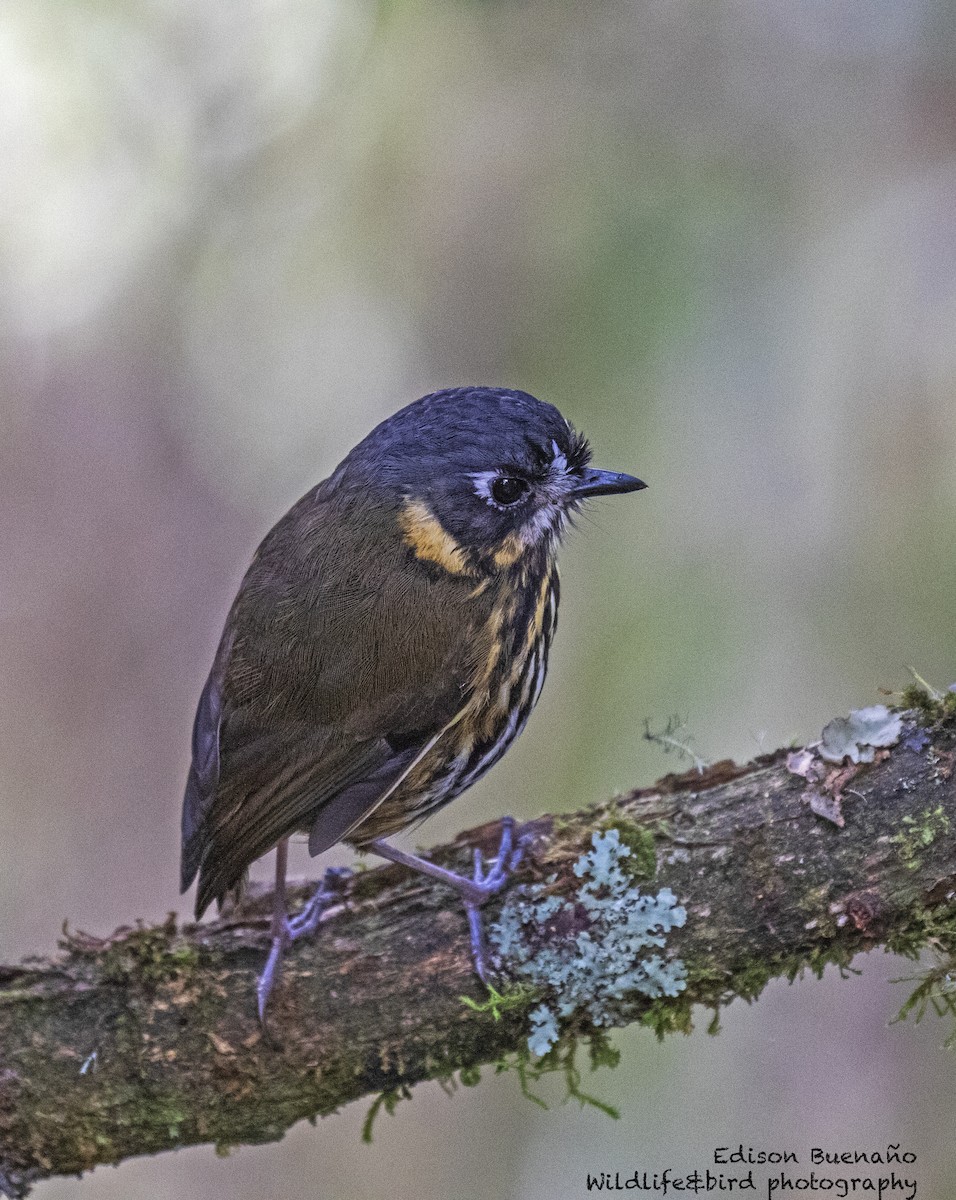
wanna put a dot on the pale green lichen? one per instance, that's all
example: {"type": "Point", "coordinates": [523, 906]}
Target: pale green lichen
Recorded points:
{"type": "Point", "coordinates": [544, 1030]}
{"type": "Point", "coordinates": [858, 736]}
{"type": "Point", "coordinates": [588, 953]}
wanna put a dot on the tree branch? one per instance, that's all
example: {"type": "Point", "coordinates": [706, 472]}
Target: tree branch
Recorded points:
{"type": "Point", "coordinates": [148, 1040]}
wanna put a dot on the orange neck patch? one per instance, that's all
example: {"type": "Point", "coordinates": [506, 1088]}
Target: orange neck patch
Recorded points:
{"type": "Point", "coordinates": [430, 540]}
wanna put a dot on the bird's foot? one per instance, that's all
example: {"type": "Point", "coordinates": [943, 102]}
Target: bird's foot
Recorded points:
{"type": "Point", "coordinates": [289, 929]}
{"type": "Point", "coordinates": [307, 921]}
{"type": "Point", "coordinates": [486, 881]}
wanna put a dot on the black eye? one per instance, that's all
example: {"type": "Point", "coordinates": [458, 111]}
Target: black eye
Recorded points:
{"type": "Point", "coordinates": [508, 489]}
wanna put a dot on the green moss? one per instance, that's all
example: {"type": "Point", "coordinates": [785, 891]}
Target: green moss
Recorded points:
{"type": "Point", "coordinates": [750, 981]}
{"type": "Point", "coordinates": [920, 832]}
{"type": "Point", "coordinates": [935, 927]}
{"type": "Point", "coordinates": [917, 699]}
{"type": "Point", "coordinates": [389, 1100]}
{"type": "Point", "coordinates": [935, 989]}
{"type": "Point", "coordinates": [562, 1060]}
{"type": "Point", "coordinates": [819, 957]}
{"type": "Point", "coordinates": [149, 955]}
{"type": "Point", "coordinates": [165, 1111]}
{"type": "Point", "coordinates": [814, 904]}
{"type": "Point", "coordinates": [469, 1076]}
{"type": "Point", "coordinates": [923, 698]}
{"type": "Point", "coordinates": [668, 1016]}
{"type": "Point", "coordinates": [641, 865]}
{"type": "Point", "coordinates": [516, 998]}
{"type": "Point", "coordinates": [716, 987]}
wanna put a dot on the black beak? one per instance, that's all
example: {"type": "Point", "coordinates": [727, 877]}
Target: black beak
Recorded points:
{"type": "Point", "coordinates": [604, 483]}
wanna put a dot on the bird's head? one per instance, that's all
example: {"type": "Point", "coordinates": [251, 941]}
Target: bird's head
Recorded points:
{"type": "Point", "coordinates": [486, 478]}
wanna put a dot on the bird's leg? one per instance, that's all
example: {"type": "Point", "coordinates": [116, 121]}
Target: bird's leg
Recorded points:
{"type": "Point", "coordinates": [286, 929]}
{"type": "Point", "coordinates": [280, 934]}
{"type": "Point", "coordinates": [483, 884]}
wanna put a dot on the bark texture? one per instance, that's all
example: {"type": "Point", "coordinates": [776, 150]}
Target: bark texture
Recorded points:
{"type": "Point", "coordinates": [148, 1040]}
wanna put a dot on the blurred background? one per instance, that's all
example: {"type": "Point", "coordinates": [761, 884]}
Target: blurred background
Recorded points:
{"type": "Point", "coordinates": [719, 235]}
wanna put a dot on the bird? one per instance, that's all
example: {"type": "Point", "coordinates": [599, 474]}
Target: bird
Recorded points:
{"type": "Point", "coordinates": [385, 648]}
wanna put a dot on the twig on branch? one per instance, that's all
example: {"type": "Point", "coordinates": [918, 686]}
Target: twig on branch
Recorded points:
{"type": "Point", "coordinates": [148, 1040]}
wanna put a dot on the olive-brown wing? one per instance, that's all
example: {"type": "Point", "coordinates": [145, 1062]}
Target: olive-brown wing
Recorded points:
{"type": "Point", "coordinates": [343, 659]}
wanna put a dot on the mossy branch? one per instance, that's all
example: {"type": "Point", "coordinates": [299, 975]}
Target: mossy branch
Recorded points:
{"type": "Point", "coordinates": [148, 1040]}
